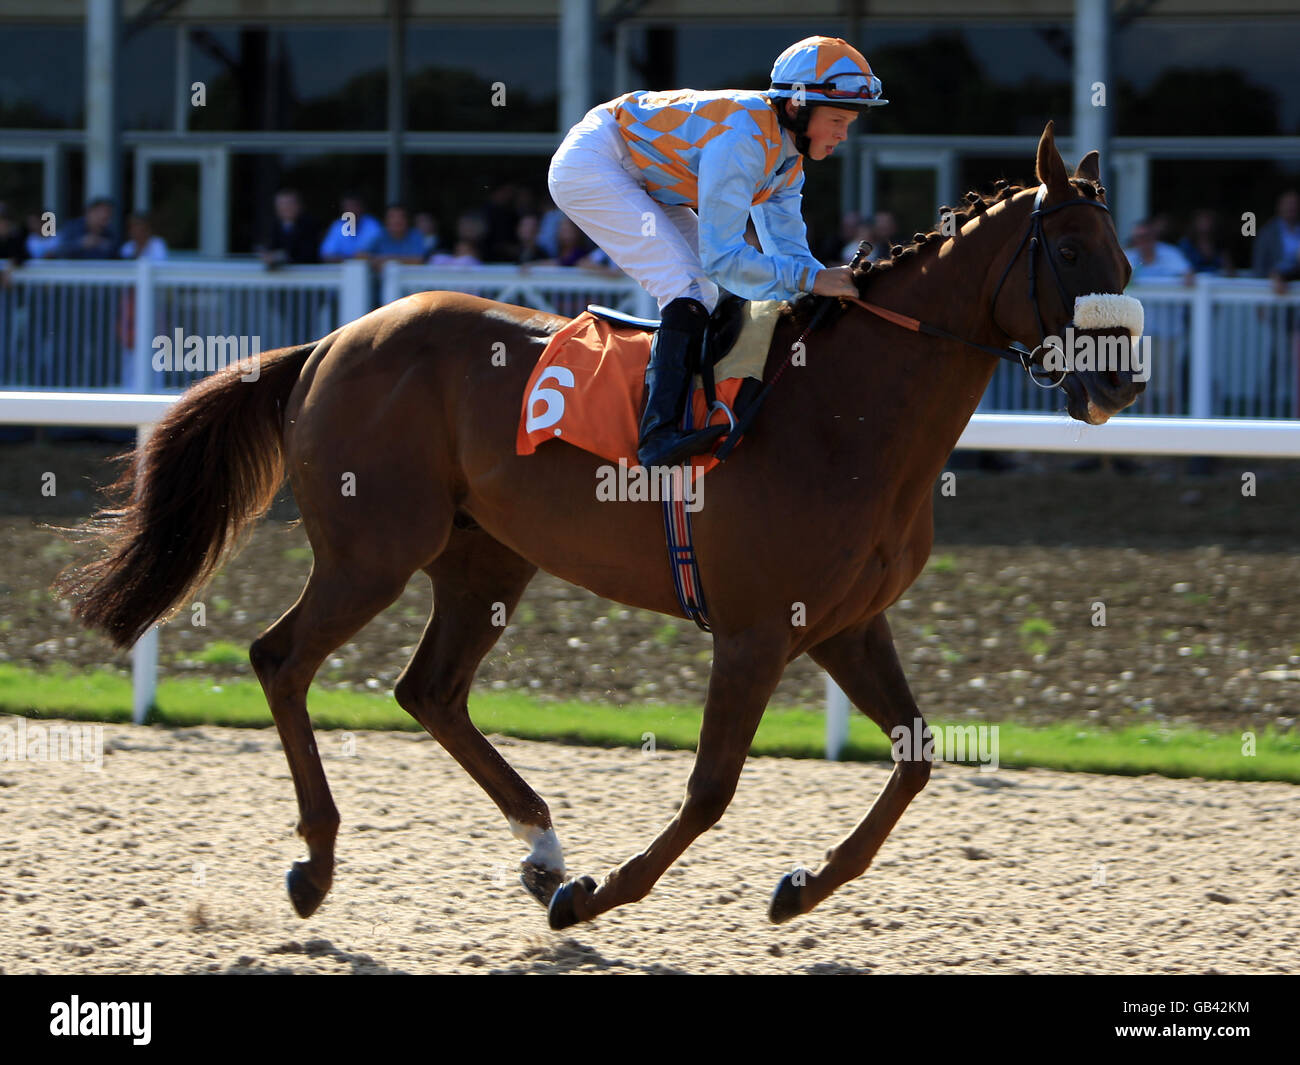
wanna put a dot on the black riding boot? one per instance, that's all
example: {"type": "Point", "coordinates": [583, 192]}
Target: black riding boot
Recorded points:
{"type": "Point", "coordinates": [674, 357]}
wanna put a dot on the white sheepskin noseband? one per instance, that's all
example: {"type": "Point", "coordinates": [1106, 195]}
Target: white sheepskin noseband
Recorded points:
{"type": "Point", "coordinates": [1106, 310]}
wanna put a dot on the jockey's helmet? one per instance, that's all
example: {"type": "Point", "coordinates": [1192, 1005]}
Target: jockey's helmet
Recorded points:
{"type": "Point", "coordinates": [821, 70]}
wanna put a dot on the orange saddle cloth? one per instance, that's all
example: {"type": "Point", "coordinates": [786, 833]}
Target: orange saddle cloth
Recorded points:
{"type": "Point", "coordinates": [588, 389]}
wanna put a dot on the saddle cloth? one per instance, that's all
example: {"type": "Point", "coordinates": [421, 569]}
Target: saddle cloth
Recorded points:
{"type": "Point", "coordinates": [588, 387]}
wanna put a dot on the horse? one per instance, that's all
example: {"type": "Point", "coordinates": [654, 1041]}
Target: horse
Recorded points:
{"type": "Point", "coordinates": [397, 432]}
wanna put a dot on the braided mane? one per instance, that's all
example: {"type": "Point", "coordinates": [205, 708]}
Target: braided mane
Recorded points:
{"type": "Point", "coordinates": [900, 255]}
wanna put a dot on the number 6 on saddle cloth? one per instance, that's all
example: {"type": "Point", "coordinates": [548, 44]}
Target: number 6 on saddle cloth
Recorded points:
{"type": "Point", "coordinates": [588, 386]}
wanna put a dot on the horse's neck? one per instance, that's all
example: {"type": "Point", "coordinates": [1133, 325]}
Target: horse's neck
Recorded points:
{"type": "Point", "coordinates": [950, 284]}
{"type": "Point", "coordinates": [927, 389]}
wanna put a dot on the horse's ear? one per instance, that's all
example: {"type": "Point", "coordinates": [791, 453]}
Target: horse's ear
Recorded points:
{"type": "Point", "coordinates": [1089, 167]}
{"type": "Point", "coordinates": [1051, 167]}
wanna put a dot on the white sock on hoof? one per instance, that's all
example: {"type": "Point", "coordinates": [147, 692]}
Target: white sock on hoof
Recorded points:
{"type": "Point", "coordinates": [545, 845]}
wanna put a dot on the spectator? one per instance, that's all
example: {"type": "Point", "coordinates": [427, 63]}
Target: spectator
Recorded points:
{"type": "Point", "coordinates": [1160, 225]}
{"type": "Point", "coordinates": [468, 249]}
{"type": "Point", "coordinates": [13, 246]}
{"type": "Point", "coordinates": [575, 250]}
{"type": "Point", "coordinates": [143, 244]}
{"type": "Point", "coordinates": [501, 220]}
{"type": "Point", "coordinates": [1166, 325]}
{"type": "Point", "coordinates": [427, 226]}
{"type": "Point", "coordinates": [862, 231]}
{"type": "Point", "coordinates": [39, 246]}
{"type": "Point", "coordinates": [294, 234]}
{"type": "Point", "coordinates": [885, 227]}
{"type": "Point", "coordinates": [464, 254]}
{"type": "Point", "coordinates": [1202, 247]}
{"type": "Point", "coordinates": [1277, 248]}
{"type": "Point", "coordinates": [525, 201]}
{"type": "Point", "coordinates": [353, 235]}
{"type": "Point", "coordinates": [549, 227]}
{"type": "Point", "coordinates": [92, 235]}
{"type": "Point", "coordinates": [399, 241]}
{"type": "Point", "coordinates": [13, 243]}
{"type": "Point", "coordinates": [830, 250]}
{"type": "Point", "coordinates": [1153, 260]}
{"type": "Point", "coordinates": [526, 236]}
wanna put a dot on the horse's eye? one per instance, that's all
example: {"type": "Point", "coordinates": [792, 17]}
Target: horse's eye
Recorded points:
{"type": "Point", "coordinates": [1068, 254]}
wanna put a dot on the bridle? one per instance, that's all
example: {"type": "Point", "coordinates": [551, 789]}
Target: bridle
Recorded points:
{"type": "Point", "coordinates": [1015, 351]}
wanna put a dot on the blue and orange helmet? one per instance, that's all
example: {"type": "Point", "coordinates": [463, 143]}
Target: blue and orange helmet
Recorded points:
{"type": "Point", "coordinates": [825, 70]}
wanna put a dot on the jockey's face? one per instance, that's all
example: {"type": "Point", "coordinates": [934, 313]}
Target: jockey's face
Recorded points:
{"type": "Point", "coordinates": [827, 127]}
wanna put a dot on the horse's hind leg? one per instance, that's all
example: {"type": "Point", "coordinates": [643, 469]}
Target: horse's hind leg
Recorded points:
{"type": "Point", "coordinates": [477, 582]}
{"type": "Point", "coordinates": [864, 663]}
{"type": "Point", "coordinates": [334, 605]}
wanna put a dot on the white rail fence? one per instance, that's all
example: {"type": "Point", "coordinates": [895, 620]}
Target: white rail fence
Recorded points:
{"type": "Point", "coordinates": [1220, 347]}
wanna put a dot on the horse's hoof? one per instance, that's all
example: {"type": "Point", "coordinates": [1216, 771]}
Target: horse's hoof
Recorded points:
{"type": "Point", "coordinates": [560, 913]}
{"type": "Point", "coordinates": [305, 895]}
{"type": "Point", "coordinates": [785, 899]}
{"type": "Point", "coordinates": [541, 883]}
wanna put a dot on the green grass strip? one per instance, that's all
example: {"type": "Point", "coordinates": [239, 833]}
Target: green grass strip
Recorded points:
{"type": "Point", "coordinates": [105, 695]}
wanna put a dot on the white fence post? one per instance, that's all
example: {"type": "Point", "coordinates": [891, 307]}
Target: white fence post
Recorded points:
{"type": "Point", "coordinates": [138, 376]}
{"type": "Point", "coordinates": [354, 290]}
{"type": "Point", "coordinates": [1200, 373]}
{"type": "Point", "coordinates": [144, 655]}
{"type": "Point", "coordinates": [391, 289]}
{"type": "Point", "coordinates": [837, 719]}
{"type": "Point", "coordinates": [144, 675]}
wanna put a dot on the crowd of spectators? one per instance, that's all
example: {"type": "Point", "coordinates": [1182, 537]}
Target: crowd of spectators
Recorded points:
{"type": "Point", "coordinates": [513, 226]}
{"type": "Point", "coordinates": [92, 236]}
{"type": "Point", "coordinates": [517, 225]}
{"type": "Point", "coordinates": [1203, 249]}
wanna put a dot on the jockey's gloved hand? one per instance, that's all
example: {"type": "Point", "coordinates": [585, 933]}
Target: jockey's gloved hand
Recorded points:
{"type": "Point", "coordinates": [835, 281]}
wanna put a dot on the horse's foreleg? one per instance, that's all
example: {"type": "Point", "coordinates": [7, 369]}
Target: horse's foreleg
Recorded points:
{"type": "Point", "coordinates": [864, 663]}
{"type": "Point", "coordinates": [745, 670]}
{"type": "Point", "coordinates": [332, 608]}
{"type": "Point", "coordinates": [477, 582]}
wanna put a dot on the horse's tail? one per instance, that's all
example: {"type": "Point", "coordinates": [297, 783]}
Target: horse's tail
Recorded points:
{"type": "Point", "coordinates": [210, 468]}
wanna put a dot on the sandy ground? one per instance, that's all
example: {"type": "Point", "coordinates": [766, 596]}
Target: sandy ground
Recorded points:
{"type": "Point", "coordinates": [172, 859]}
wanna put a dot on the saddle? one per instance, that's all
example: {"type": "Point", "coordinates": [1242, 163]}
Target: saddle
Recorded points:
{"type": "Point", "coordinates": [725, 324]}
{"type": "Point", "coordinates": [588, 386]}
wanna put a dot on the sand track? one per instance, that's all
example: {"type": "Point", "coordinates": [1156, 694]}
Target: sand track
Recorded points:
{"type": "Point", "coordinates": [172, 859]}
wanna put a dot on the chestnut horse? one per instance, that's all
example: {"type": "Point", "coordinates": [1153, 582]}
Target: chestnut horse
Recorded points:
{"type": "Point", "coordinates": [397, 432]}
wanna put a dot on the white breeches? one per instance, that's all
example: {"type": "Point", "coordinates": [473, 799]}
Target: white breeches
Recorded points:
{"type": "Point", "coordinates": [594, 181]}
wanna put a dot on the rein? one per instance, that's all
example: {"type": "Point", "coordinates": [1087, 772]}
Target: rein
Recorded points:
{"type": "Point", "coordinates": [1015, 351]}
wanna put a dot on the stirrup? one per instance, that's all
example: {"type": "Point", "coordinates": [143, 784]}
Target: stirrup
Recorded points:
{"type": "Point", "coordinates": [680, 446]}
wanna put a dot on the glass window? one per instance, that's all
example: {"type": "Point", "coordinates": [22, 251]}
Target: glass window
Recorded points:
{"type": "Point", "coordinates": [452, 75]}
{"type": "Point", "coordinates": [43, 85]}
{"type": "Point", "coordinates": [1193, 78]}
{"type": "Point", "coordinates": [291, 78]}
{"type": "Point", "coordinates": [958, 79]}
{"type": "Point", "coordinates": [147, 61]}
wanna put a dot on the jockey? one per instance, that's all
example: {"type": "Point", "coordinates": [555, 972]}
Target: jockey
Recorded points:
{"type": "Point", "coordinates": [664, 182]}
